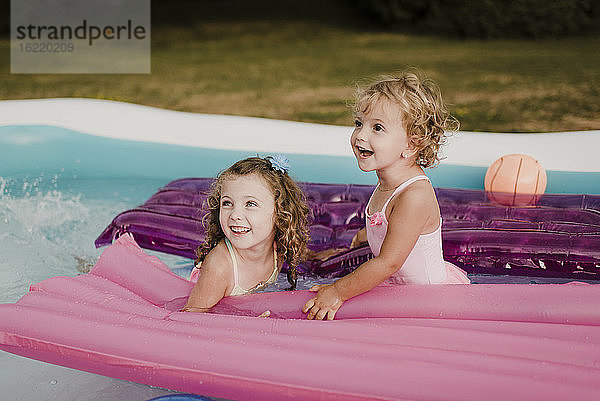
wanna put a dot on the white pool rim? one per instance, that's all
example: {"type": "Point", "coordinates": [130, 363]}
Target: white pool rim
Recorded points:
{"type": "Point", "coordinates": [561, 151]}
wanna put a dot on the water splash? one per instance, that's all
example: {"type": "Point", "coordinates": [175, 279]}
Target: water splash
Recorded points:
{"type": "Point", "coordinates": [45, 232]}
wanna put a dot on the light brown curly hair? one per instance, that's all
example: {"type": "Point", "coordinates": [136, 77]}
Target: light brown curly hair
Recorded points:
{"type": "Point", "coordinates": [427, 120]}
{"type": "Point", "coordinates": [291, 212]}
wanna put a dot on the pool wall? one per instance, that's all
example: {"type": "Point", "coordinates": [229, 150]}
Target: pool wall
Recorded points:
{"type": "Point", "coordinates": [98, 139]}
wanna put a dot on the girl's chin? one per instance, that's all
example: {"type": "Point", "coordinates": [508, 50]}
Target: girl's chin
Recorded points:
{"type": "Point", "coordinates": [241, 242]}
{"type": "Point", "coordinates": [237, 239]}
{"type": "Point", "coordinates": [364, 166]}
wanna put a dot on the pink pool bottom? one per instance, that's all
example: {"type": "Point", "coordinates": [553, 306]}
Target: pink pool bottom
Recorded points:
{"type": "Point", "coordinates": [442, 342]}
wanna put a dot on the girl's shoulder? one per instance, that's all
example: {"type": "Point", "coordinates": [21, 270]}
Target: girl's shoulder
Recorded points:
{"type": "Point", "coordinates": [418, 191]}
{"type": "Point", "coordinates": [219, 261]}
{"type": "Point", "coordinates": [419, 197]}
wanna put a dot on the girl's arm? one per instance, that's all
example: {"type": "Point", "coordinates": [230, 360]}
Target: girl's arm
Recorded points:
{"type": "Point", "coordinates": [212, 284]}
{"type": "Point", "coordinates": [408, 216]}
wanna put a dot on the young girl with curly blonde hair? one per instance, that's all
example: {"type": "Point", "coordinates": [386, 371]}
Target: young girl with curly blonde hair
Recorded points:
{"type": "Point", "coordinates": [258, 219]}
{"type": "Point", "coordinates": [400, 124]}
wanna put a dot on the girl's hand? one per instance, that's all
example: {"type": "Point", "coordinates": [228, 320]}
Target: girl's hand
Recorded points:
{"type": "Point", "coordinates": [194, 309]}
{"type": "Point", "coordinates": [325, 304]}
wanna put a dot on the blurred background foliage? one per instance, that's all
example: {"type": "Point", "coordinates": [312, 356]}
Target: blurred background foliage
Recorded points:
{"type": "Point", "coordinates": [510, 66]}
{"type": "Point", "coordinates": [488, 18]}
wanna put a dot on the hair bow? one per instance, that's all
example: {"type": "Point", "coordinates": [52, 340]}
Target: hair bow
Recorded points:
{"type": "Point", "coordinates": [280, 162]}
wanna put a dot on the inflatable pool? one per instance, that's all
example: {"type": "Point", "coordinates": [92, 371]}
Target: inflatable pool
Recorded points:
{"type": "Point", "coordinates": [483, 342]}
{"type": "Point", "coordinates": [167, 145]}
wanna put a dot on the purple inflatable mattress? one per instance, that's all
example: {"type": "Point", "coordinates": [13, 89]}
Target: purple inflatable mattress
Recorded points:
{"type": "Point", "coordinates": [559, 237]}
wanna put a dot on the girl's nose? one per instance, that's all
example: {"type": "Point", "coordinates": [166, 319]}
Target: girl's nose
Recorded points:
{"type": "Point", "coordinates": [236, 214]}
{"type": "Point", "coordinates": [360, 135]}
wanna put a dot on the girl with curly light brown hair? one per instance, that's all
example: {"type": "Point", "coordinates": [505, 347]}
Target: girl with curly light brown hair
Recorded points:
{"type": "Point", "coordinates": [400, 124]}
{"type": "Point", "coordinates": [257, 219]}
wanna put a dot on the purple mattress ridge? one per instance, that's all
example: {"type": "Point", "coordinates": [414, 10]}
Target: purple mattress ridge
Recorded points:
{"type": "Point", "coordinates": [559, 237]}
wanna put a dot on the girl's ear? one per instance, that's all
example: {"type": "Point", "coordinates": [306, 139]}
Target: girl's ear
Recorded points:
{"type": "Point", "coordinates": [410, 150]}
{"type": "Point", "coordinates": [412, 144]}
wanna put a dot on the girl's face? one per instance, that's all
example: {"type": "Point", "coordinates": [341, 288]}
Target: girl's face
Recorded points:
{"type": "Point", "coordinates": [380, 137]}
{"type": "Point", "coordinates": [247, 212]}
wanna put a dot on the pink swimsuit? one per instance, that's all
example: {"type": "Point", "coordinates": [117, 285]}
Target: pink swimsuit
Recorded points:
{"type": "Point", "coordinates": [425, 263]}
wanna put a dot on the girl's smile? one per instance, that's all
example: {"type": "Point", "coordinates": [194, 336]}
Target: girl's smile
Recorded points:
{"type": "Point", "coordinates": [363, 152]}
{"type": "Point", "coordinates": [237, 230]}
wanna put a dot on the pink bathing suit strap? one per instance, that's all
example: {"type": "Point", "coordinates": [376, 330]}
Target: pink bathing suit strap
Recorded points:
{"type": "Point", "coordinates": [401, 187]}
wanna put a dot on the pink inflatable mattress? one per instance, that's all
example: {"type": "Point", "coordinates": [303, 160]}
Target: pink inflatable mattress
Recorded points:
{"type": "Point", "coordinates": [444, 342]}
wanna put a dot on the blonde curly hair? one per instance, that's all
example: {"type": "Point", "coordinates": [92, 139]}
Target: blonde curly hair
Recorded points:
{"type": "Point", "coordinates": [291, 212]}
{"type": "Point", "coordinates": [427, 120]}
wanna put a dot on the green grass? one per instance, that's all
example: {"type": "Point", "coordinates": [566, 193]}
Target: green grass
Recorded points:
{"type": "Point", "coordinates": [305, 69]}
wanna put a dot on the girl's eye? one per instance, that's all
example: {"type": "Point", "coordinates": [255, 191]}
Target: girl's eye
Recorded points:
{"type": "Point", "coordinates": [251, 204]}
{"type": "Point", "coordinates": [378, 127]}
{"type": "Point", "coordinates": [225, 203]}
{"type": "Point", "coordinates": [357, 123]}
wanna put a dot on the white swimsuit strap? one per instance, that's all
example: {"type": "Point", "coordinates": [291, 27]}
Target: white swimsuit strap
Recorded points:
{"type": "Point", "coordinates": [274, 272]}
{"type": "Point", "coordinates": [234, 260]}
{"type": "Point", "coordinates": [369, 202]}
{"type": "Point", "coordinates": [236, 282]}
{"type": "Point", "coordinates": [401, 187]}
